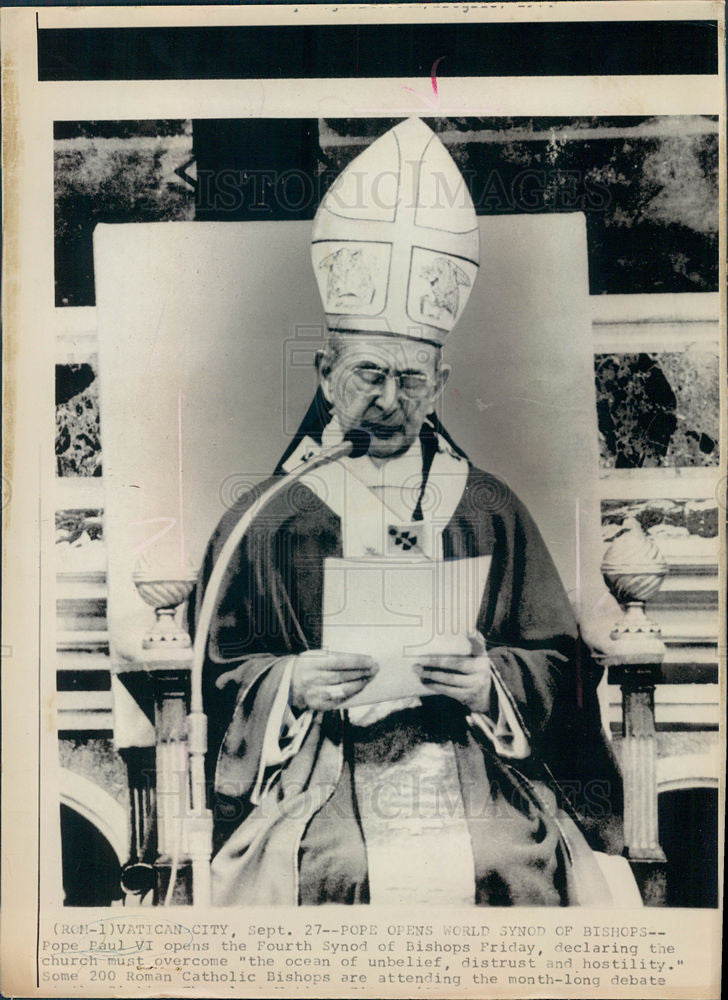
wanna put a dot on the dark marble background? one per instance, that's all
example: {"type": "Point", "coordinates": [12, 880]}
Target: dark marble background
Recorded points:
{"type": "Point", "coordinates": [78, 442]}
{"type": "Point", "coordinates": [663, 518]}
{"type": "Point", "coordinates": [648, 187]}
{"type": "Point", "coordinates": [659, 409]}
{"type": "Point", "coordinates": [110, 172]}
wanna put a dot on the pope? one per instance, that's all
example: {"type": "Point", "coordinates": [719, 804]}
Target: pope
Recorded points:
{"type": "Point", "coordinates": [494, 784]}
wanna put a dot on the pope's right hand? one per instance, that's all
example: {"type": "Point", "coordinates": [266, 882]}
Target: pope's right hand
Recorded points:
{"type": "Point", "coordinates": [323, 680]}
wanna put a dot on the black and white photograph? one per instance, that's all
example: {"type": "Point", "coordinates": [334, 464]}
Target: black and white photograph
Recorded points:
{"type": "Point", "coordinates": [388, 495]}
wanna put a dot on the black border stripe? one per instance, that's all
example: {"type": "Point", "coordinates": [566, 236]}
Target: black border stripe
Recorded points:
{"type": "Point", "coordinates": [347, 51]}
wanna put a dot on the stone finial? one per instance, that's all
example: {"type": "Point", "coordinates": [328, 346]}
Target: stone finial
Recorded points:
{"type": "Point", "coordinates": [164, 589]}
{"type": "Point", "coordinates": [633, 569]}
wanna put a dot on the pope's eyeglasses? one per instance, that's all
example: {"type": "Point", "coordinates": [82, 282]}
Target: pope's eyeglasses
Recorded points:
{"type": "Point", "coordinates": [413, 385]}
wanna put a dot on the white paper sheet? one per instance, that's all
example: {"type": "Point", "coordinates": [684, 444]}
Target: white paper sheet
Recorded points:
{"type": "Point", "coordinates": [399, 610]}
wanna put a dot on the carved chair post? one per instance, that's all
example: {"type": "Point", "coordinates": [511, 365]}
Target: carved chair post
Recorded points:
{"type": "Point", "coordinates": [633, 569]}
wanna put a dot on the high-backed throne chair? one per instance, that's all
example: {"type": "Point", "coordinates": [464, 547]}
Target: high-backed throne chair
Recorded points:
{"type": "Point", "coordinates": [207, 334]}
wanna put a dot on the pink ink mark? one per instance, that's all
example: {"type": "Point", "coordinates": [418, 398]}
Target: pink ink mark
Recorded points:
{"type": "Point", "coordinates": [425, 98]}
{"type": "Point", "coordinates": [433, 75]}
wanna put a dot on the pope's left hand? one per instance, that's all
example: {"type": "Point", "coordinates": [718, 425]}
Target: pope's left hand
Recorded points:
{"type": "Point", "coordinates": [467, 679]}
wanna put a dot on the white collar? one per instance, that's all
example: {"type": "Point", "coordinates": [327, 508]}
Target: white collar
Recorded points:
{"type": "Point", "coordinates": [395, 473]}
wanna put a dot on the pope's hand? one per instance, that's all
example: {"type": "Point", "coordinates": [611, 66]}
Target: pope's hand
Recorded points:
{"type": "Point", "coordinates": [467, 679]}
{"type": "Point", "coordinates": [324, 680]}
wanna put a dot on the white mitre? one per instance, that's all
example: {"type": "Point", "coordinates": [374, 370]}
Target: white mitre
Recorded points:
{"type": "Point", "coordinates": [395, 245]}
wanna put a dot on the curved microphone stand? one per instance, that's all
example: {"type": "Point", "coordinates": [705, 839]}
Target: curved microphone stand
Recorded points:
{"type": "Point", "coordinates": [355, 444]}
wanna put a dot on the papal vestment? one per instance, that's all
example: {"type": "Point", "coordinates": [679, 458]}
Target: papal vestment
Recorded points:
{"type": "Point", "coordinates": [419, 799]}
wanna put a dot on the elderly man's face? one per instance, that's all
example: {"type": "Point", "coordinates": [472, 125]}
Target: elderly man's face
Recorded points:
{"type": "Point", "coordinates": [386, 385]}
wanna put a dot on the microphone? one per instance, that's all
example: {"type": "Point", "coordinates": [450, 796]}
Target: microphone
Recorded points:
{"type": "Point", "coordinates": [360, 441]}
{"type": "Point", "coordinates": [356, 443]}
